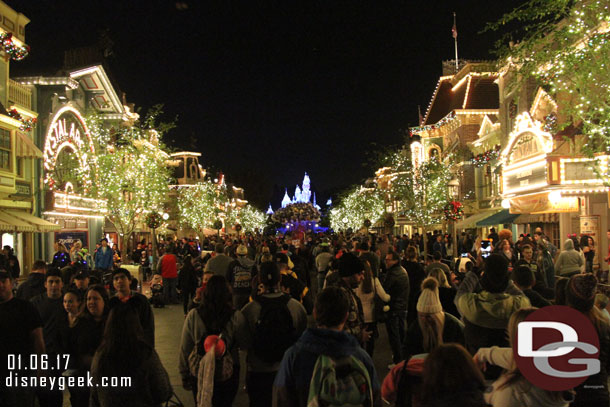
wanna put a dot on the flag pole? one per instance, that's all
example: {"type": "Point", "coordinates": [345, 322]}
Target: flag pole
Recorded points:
{"type": "Point", "coordinates": [455, 40]}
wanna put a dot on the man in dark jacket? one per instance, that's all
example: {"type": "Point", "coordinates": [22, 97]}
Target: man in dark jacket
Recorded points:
{"type": "Point", "coordinates": [121, 280]}
{"type": "Point", "coordinates": [524, 279]}
{"type": "Point", "coordinates": [51, 309]}
{"type": "Point", "coordinates": [34, 285]}
{"type": "Point", "coordinates": [348, 277]}
{"type": "Point", "coordinates": [291, 386]}
{"type": "Point", "coordinates": [396, 284]}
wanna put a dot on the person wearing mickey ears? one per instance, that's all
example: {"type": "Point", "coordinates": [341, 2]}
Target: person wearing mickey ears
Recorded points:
{"type": "Point", "coordinates": [121, 280]}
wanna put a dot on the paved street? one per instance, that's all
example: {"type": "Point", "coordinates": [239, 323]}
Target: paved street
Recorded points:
{"type": "Point", "coordinates": [168, 322]}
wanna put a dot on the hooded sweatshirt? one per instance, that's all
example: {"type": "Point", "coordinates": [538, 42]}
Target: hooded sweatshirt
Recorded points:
{"type": "Point", "coordinates": [291, 386]}
{"type": "Point", "coordinates": [569, 261]}
{"type": "Point", "coordinates": [520, 392]}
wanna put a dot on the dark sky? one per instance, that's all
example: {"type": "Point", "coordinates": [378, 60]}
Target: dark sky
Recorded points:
{"type": "Point", "coordinates": [269, 90]}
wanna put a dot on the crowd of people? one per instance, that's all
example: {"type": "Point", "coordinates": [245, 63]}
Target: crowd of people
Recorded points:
{"type": "Point", "coordinates": [307, 310]}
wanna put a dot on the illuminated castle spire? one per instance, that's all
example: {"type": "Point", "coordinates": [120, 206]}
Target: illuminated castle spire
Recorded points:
{"type": "Point", "coordinates": [286, 201]}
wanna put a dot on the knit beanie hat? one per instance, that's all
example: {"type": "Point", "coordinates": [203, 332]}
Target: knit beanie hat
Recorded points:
{"type": "Point", "coordinates": [428, 302]}
{"type": "Point", "coordinates": [580, 294]}
{"type": "Point", "coordinates": [349, 265]}
{"type": "Point", "coordinates": [495, 279]}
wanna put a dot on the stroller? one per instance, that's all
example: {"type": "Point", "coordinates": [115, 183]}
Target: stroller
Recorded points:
{"type": "Point", "coordinates": [156, 288]}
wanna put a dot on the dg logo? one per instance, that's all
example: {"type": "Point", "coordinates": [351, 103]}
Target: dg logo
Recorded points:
{"type": "Point", "coordinates": [557, 348]}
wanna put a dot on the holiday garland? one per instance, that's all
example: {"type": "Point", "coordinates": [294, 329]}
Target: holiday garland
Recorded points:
{"type": "Point", "coordinates": [26, 124]}
{"type": "Point", "coordinates": [447, 119]}
{"type": "Point", "coordinates": [484, 158]}
{"type": "Point", "coordinates": [153, 220]}
{"type": "Point", "coordinates": [550, 123]}
{"type": "Point", "coordinates": [453, 210]}
{"type": "Point", "coordinates": [16, 52]}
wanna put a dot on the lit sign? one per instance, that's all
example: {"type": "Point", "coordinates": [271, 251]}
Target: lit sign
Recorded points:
{"type": "Point", "coordinates": [67, 130]}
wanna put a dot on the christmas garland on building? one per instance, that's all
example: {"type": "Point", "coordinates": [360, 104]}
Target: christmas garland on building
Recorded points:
{"type": "Point", "coordinates": [26, 124]}
{"type": "Point", "coordinates": [453, 210]}
{"type": "Point", "coordinates": [15, 51]}
{"type": "Point", "coordinates": [486, 157]}
{"type": "Point", "coordinates": [153, 220]}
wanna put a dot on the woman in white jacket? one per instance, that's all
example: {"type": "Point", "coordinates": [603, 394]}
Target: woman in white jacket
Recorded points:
{"type": "Point", "coordinates": [366, 291]}
{"type": "Point", "coordinates": [511, 389]}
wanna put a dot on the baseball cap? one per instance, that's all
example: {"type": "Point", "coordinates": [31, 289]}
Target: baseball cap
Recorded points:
{"type": "Point", "coordinates": [121, 271]}
{"type": "Point", "coordinates": [81, 275]}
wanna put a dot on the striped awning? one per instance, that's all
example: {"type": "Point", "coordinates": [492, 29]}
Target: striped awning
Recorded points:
{"type": "Point", "coordinates": [471, 221]}
{"type": "Point", "coordinates": [528, 218]}
{"type": "Point", "coordinates": [41, 225]}
{"type": "Point", "coordinates": [13, 224]}
{"type": "Point", "coordinates": [26, 147]}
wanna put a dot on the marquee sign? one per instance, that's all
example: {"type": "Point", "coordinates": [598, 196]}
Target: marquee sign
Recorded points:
{"type": "Point", "coordinates": [69, 132]}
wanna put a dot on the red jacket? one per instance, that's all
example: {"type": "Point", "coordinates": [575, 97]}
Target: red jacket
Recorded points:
{"type": "Point", "coordinates": [169, 268]}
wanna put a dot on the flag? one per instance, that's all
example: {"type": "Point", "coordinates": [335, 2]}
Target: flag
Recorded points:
{"type": "Point", "coordinates": [454, 31]}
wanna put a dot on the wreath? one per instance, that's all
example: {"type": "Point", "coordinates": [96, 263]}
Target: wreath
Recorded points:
{"type": "Point", "coordinates": [454, 210]}
{"type": "Point", "coordinates": [153, 220]}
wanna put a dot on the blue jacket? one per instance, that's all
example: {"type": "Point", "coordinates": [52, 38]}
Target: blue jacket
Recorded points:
{"type": "Point", "coordinates": [291, 386]}
{"type": "Point", "coordinates": [103, 260]}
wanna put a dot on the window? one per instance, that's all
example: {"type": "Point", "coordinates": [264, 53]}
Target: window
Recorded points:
{"type": "Point", "coordinates": [5, 149]}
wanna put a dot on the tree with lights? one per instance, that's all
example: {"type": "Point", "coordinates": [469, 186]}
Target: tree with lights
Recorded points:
{"type": "Point", "coordinates": [201, 205]}
{"type": "Point", "coordinates": [357, 206]}
{"type": "Point", "coordinates": [421, 189]}
{"type": "Point", "coordinates": [565, 46]}
{"type": "Point", "coordinates": [132, 172]}
{"type": "Point", "coordinates": [250, 218]}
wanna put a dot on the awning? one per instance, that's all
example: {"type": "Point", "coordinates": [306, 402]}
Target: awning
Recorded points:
{"type": "Point", "coordinates": [500, 218]}
{"type": "Point", "coordinates": [26, 147]}
{"type": "Point", "coordinates": [15, 224]}
{"type": "Point", "coordinates": [40, 224]}
{"type": "Point", "coordinates": [528, 218]}
{"type": "Point", "coordinates": [471, 221]}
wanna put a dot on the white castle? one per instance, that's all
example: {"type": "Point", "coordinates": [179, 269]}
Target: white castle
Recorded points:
{"type": "Point", "coordinates": [301, 195]}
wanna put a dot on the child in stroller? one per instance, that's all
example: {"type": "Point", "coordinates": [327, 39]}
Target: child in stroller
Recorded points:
{"type": "Point", "coordinates": [156, 288]}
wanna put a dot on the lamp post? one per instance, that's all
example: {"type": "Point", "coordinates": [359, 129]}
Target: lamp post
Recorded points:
{"type": "Point", "coordinates": [454, 192]}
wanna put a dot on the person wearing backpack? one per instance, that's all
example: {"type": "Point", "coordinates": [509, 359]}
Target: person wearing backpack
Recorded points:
{"type": "Point", "coordinates": [214, 317]}
{"type": "Point", "coordinates": [273, 322]}
{"type": "Point", "coordinates": [327, 357]}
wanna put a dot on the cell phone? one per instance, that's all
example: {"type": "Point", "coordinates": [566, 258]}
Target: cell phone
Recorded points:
{"type": "Point", "coordinates": [485, 248]}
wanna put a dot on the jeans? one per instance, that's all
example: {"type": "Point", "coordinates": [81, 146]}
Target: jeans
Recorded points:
{"type": "Point", "coordinates": [396, 324]}
{"type": "Point", "coordinates": [260, 388]}
{"type": "Point", "coordinates": [169, 290]}
{"type": "Point", "coordinates": [369, 347]}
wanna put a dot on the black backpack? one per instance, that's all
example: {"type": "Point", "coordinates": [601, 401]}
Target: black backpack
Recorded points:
{"type": "Point", "coordinates": [274, 331]}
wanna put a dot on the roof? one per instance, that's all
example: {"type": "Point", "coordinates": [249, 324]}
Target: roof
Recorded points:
{"type": "Point", "coordinates": [473, 91]}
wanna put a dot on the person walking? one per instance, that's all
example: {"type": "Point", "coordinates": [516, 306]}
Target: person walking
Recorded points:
{"type": "Point", "coordinates": [104, 256]}
{"type": "Point", "coordinates": [214, 316]}
{"type": "Point", "coordinates": [369, 288]}
{"type": "Point", "coordinates": [34, 285]}
{"type": "Point", "coordinates": [124, 352]}
{"type": "Point", "coordinates": [396, 284]}
{"type": "Point", "coordinates": [569, 261]}
{"type": "Point", "coordinates": [187, 282]}
{"type": "Point", "coordinates": [298, 368]}
{"type": "Point", "coordinates": [273, 323]}
{"type": "Point", "coordinates": [121, 279]}
{"type": "Point", "coordinates": [168, 266]}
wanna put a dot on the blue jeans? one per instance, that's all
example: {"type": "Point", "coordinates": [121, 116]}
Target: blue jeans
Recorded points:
{"type": "Point", "coordinates": [169, 290]}
{"type": "Point", "coordinates": [396, 324]}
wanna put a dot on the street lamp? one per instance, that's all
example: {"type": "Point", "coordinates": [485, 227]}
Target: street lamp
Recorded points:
{"type": "Point", "coordinates": [454, 192]}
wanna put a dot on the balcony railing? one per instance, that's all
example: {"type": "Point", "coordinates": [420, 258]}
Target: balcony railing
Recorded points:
{"type": "Point", "coordinates": [19, 94]}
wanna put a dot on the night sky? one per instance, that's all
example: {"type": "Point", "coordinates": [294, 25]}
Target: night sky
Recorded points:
{"type": "Point", "coordinates": [269, 90]}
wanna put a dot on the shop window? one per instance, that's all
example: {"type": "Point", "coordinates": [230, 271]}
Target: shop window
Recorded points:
{"type": "Point", "coordinates": [5, 149]}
